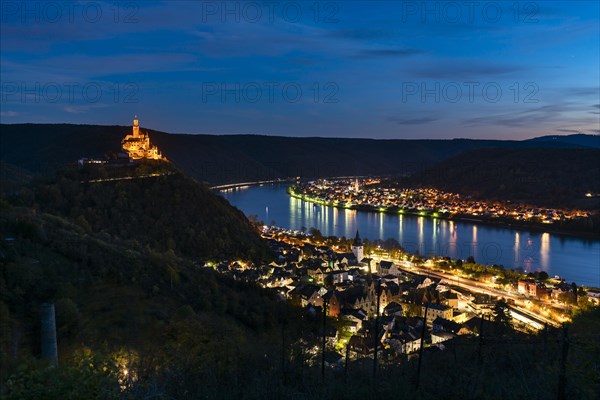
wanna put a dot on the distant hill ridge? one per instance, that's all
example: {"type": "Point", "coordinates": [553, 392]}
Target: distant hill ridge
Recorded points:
{"type": "Point", "coordinates": [579, 139]}
{"type": "Point", "coordinates": [221, 159]}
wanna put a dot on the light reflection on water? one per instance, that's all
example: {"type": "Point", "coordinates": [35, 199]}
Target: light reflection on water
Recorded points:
{"type": "Point", "coordinates": [575, 259]}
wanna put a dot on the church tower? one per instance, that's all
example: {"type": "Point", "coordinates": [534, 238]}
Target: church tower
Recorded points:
{"type": "Point", "coordinates": [357, 248]}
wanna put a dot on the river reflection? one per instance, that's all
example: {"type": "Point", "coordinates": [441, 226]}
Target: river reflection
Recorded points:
{"type": "Point", "coordinates": [575, 259]}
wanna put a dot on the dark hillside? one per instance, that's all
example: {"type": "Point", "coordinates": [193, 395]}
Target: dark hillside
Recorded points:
{"type": "Point", "coordinates": [116, 298]}
{"type": "Point", "coordinates": [168, 212]}
{"type": "Point", "coordinates": [592, 141]}
{"type": "Point", "coordinates": [242, 158]}
{"type": "Point", "coordinates": [543, 177]}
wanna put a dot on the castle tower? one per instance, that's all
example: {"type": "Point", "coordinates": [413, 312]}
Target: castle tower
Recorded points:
{"type": "Point", "coordinates": [136, 127]}
{"type": "Point", "coordinates": [138, 146]}
{"type": "Point", "coordinates": [357, 248]}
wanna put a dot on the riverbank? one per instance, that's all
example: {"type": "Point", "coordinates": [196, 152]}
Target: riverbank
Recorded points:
{"type": "Point", "coordinates": [499, 222]}
{"type": "Point", "coordinates": [249, 184]}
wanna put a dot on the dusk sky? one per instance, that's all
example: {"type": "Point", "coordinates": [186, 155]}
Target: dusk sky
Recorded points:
{"type": "Point", "coordinates": [393, 70]}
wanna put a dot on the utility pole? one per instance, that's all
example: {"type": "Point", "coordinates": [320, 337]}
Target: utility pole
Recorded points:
{"type": "Point", "coordinates": [421, 347]}
{"type": "Point", "coordinates": [562, 378]}
{"type": "Point", "coordinates": [346, 362]}
{"type": "Point", "coordinates": [283, 350]}
{"type": "Point", "coordinates": [324, 342]}
{"type": "Point", "coordinates": [480, 337]}
{"type": "Point", "coordinates": [378, 291]}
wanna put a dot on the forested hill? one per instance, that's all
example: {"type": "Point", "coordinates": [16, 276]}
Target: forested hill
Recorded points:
{"type": "Point", "coordinates": [122, 261]}
{"type": "Point", "coordinates": [169, 212]}
{"type": "Point", "coordinates": [544, 177]}
{"type": "Point", "coordinates": [242, 158]}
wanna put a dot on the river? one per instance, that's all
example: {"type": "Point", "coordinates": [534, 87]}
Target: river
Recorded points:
{"type": "Point", "coordinates": [573, 258]}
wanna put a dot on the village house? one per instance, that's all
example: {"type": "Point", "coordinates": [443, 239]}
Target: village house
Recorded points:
{"type": "Point", "coordinates": [444, 325]}
{"type": "Point", "coordinates": [481, 304]}
{"type": "Point", "coordinates": [338, 276]}
{"type": "Point", "coordinates": [439, 337]}
{"type": "Point", "coordinates": [362, 346]}
{"type": "Point", "coordinates": [560, 290]}
{"type": "Point", "coordinates": [531, 288]}
{"type": "Point", "coordinates": [334, 305]}
{"type": "Point", "coordinates": [383, 267]}
{"type": "Point", "coordinates": [308, 295]}
{"type": "Point", "coordinates": [436, 310]}
{"type": "Point", "coordinates": [393, 309]}
{"type": "Point", "coordinates": [356, 317]}
{"type": "Point", "coordinates": [389, 292]}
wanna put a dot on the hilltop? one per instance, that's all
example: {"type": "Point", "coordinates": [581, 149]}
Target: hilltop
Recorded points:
{"type": "Point", "coordinates": [158, 207]}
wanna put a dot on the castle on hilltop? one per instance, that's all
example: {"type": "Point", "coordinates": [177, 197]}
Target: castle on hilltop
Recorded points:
{"type": "Point", "coordinates": [138, 146]}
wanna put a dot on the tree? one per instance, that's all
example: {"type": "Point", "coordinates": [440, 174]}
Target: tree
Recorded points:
{"type": "Point", "coordinates": [315, 233]}
{"type": "Point", "coordinates": [255, 221]}
{"type": "Point", "coordinates": [470, 260]}
{"type": "Point", "coordinates": [501, 313]}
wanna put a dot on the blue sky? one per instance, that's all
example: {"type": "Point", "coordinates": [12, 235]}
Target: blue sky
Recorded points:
{"type": "Point", "coordinates": [398, 69]}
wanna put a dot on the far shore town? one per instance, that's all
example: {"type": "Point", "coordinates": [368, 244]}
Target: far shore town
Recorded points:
{"type": "Point", "coordinates": [369, 193]}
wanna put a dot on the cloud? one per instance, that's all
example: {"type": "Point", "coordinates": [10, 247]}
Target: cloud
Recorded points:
{"type": "Point", "coordinates": [80, 69]}
{"type": "Point", "coordinates": [569, 130]}
{"type": "Point", "coordinates": [8, 114]}
{"type": "Point", "coordinates": [402, 52]}
{"type": "Point", "coordinates": [368, 34]}
{"type": "Point", "coordinates": [526, 118]}
{"type": "Point", "coordinates": [466, 69]}
{"type": "Point", "coordinates": [411, 120]}
{"type": "Point", "coordinates": [302, 61]}
{"type": "Point", "coordinates": [84, 108]}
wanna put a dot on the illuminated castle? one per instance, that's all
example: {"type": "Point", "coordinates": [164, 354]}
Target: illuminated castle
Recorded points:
{"type": "Point", "coordinates": [137, 145]}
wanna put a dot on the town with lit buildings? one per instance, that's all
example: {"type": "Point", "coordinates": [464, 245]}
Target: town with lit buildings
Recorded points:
{"type": "Point", "coordinates": [371, 194]}
{"type": "Point", "coordinates": [316, 276]}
